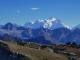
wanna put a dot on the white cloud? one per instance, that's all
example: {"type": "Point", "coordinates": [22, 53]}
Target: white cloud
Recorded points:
{"type": "Point", "coordinates": [34, 9]}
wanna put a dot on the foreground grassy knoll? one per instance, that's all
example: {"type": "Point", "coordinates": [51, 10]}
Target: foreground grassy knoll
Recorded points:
{"type": "Point", "coordinates": [6, 54]}
{"type": "Point", "coordinates": [34, 54]}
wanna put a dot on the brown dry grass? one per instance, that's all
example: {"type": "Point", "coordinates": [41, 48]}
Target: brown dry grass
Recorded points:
{"type": "Point", "coordinates": [34, 54]}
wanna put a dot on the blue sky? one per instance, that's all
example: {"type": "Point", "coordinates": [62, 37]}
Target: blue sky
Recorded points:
{"type": "Point", "coordinates": [22, 11]}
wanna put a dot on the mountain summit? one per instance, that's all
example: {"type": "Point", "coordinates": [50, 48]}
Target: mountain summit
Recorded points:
{"type": "Point", "coordinates": [51, 23]}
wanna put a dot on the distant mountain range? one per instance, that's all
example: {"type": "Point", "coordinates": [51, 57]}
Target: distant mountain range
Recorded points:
{"type": "Point", "coordinates": [47, 31]}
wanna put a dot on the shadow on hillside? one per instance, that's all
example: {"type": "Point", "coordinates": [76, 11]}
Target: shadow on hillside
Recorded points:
{"type": "Point", "coordinates": [6, 54]}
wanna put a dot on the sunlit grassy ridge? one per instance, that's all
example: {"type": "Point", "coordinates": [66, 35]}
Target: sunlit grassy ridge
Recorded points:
{"type": "Point", "coordinates": [34, 54]}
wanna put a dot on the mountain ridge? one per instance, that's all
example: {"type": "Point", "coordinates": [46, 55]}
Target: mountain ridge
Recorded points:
{"type": "Point", "coordinates": [48, 31]}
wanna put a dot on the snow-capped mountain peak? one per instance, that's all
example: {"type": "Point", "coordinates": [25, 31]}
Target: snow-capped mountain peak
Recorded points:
{"type": "Point", "coordinates": [51, 23]}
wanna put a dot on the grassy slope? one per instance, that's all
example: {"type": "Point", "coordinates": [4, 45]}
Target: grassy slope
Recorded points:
{"type": "Point", "coordinates": [34, 54]}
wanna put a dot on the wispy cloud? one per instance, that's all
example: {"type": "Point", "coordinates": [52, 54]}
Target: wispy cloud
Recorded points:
{"type": "Point", "coordinates": [18, 11]}
{"type": "Point", "coordinates": [34, 8]}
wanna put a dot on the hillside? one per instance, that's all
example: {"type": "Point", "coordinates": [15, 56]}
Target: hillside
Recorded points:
{"type": "Point", "coordinates": [33, 54]}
